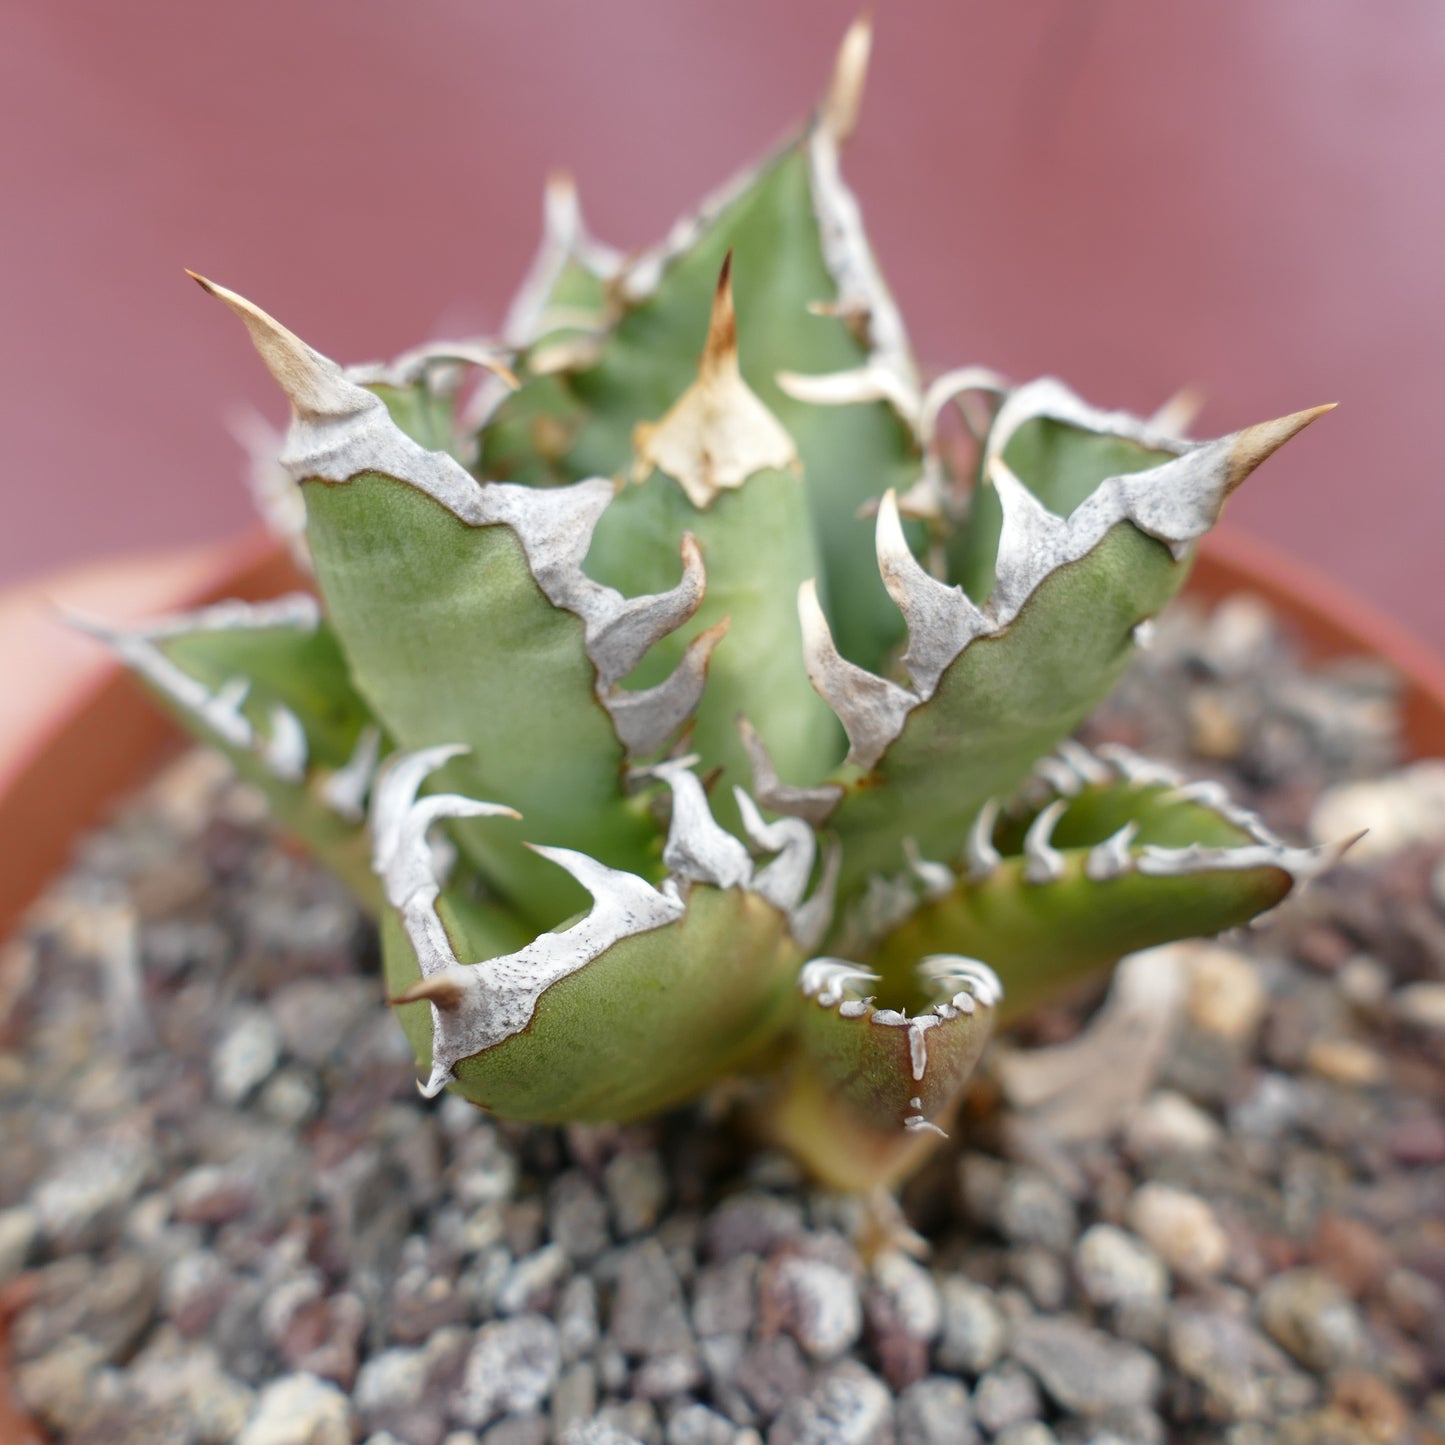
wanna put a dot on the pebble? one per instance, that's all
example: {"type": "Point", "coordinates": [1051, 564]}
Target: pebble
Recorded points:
{"type": "Point", "coordinates": [1225, 994]}
{"type": "Point", "coordinates": [512, 1368]}
{"type": "Point", "coordinates": [1344, 1061]}
{"type": "Point", "coordinates": [648, 1314]}
{"type": "Point", "coordinates": [1032, 1209]}
{"type": "Point", "coordinates": [1182, 1229]}
{"type": "Point", "coordinates": [1238, 1369]}
{"type": "Point", "coordinates": [246, 1055]}
{"type": "Point", "coordinates": [19, 1229]}
{"type": "Point", "coordinates": [974, 1331]}
{"type": "Point", "coordinates": [1114, 1266]}
{"type": "Point", "coordinates": [1310, 1316]}
{"type": "Point", "coordinates": [1029, 1432]}
{"type": "Point", "coordinates": [1006, 1395]}
{"type": "Point", "coordinates": [816, 1302]}
{"type": "Point", "coordinates": [82, 1200]}
{"type": "Point", "coordinates": [637, 1190]}
{"type": "Point", "coordinates": [1168, 1123]}
{"type": "Point", "coordinates": [936, 1411]}
{"type": "Point", "coordinates": [577, 1217]}
{"type": "Point", "coordinates": [1399, 810]}
{"type": "Point", "coordinates": [532, 1282]}
{"type": "Point", "coordinates": [697, 1425]}
{"type": "Point", "coordinates": [847, 1406]}
{"type": "Point", "coordinates": [299, 1410]}
{"type": "Point", "coordinates": [1085, 1370]}
{"type": "Point", "coordinates": [1422, 1005]}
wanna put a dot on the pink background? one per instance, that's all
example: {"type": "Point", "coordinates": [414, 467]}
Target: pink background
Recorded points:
{"type": "Point", "coordinates": [1134, 195]}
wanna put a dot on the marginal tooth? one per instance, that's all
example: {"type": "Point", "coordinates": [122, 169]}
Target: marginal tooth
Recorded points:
{"type": "Point", "coordinates": [1090, 770]}
{"type": "Point", "coordinates": [874, 381]}
{"type": "Point", "coordinates": [871, 709]}
{"type": "Point", "coordinates": [812, 804]}
{"type": "Point", "coordinates": [315, 385]}
{"type": "Point", "coordinates": [959, 972]}
{"type": "Point", "coordinates": [937, 878]}
{"type": "Point", "coordinates": [646, 719]}
{"type": "Point", "coordinates": [838, 114]}
{"type": "Point", "coordinates": [980, 856]}
{"type": "Point", "coordinates": [1112, 858]}
{"type": "Point", "coordinates": [941, 620]}
{"type": "Point", "coordinates": [1302, 864]}
{"type": "Point", "coordinates": [1143, 634]}
{"type": "Point", "coordinates": [447, 989]}
{"type": "Point", "coordinates": [287, 748]}
{"type": "Point", "coordinates": [1207, 792]}
{"type": "Point", "coordinates": [952, 386]}
{"type": "Point", "coordinates": [784, 881]}
{"type": "Point", "coordinates": [617, 645]}
{"type": "Point", "coordinates": [811, 920]}
{"type": "Point", "coordinates": [1138, 771]}
{"type": "Point", "coordinates": [917, 1035]}
{"type": "Point", "coordinates": [344, 792]}
{"type": "Point", "coordinates": [395, 792]}
{"type": "Point", "coordinates": [719, 433]}
{"type": "Point", "coordinates": [886, 903]}
{"type": "Point", "coordinates": [1179, 413]}
{"type": "Point", "coordinates": [1033, 543]}
{"type": "Point", "coordinates": [698, 847]}
{"type": "Point", "coordinates": [915, 1123]}
{"type": "Point", "coordinates": [439, 363]}
{"type": "Point", "coordinates": [1058, 777]}
{"type": "Point", "coordinates": [826, 980]}
{"type": "Point", "coordinates": [855, 1008]}
{"type": "Point", "coordinates": [1043, 863]}
{"type": "Point", "coordinates": [413, 868]}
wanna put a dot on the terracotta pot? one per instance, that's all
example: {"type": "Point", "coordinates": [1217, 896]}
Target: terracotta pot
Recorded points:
{"type": "Point", "coordinates": [92, 735]}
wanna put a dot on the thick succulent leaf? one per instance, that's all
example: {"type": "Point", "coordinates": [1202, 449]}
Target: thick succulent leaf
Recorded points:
{"type": "Point", "coordinates": [642, 1002]}
{"type": "Point", "coordinates": [267, 684]}
{"type": "Point", "coordinates": [450, 635]}
{"type": "Point", "coordinates": [996, 685]}
{"type": "Point", "coordinates": [870, 1085]}
{"type": "Point", "coordinates": [725, 474]}
{"type": "Point", "coordinates": [798, 245]}
{"type": "Point", "coordinates": [1108, 868]}
{"type": "Point", "coordinates": [466, 619]}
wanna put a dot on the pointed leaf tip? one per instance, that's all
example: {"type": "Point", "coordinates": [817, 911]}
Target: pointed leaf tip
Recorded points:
{"type": "Point", "coordinates": [313, 383]}
{"type": "Point", "coordinates": [1255, 443]}
{"type": "Point", "coordinates": [720, 351]}
{"type": "Point", "coordinates": [843, 99]}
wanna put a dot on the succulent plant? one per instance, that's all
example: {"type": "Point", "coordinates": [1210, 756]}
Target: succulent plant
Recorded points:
{"type": "Point", "coordinates": [685, 707]}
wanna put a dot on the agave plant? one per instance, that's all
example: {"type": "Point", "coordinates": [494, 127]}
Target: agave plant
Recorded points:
{"type": "Point", "coordinates": [685, 708]}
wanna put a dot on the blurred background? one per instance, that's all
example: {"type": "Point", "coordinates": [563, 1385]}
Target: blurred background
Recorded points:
{"type": "Point", "coordinates": [1241, 196]}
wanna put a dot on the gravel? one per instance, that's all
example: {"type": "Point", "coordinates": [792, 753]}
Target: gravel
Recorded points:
{"type": "Point", "coordinates": [226, 1216]}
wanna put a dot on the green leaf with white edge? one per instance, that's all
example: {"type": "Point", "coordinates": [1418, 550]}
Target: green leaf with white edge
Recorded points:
{"type": "Point", "coordinates": [770, 222]}
{"type": "Point", "coordinates": [450, 637]}
{"type": "Point", "coordinates": [1006, 701]}
{"type": "Point", "coordinates": [653, 1021]}
{"type": "Point", "coordinates": [1054, 896]}
{"type": "Point", "coordinates": [267, 684]}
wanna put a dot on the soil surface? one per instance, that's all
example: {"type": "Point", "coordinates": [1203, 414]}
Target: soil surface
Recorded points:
{"type": "Point", "coordinates": [226, 1215]}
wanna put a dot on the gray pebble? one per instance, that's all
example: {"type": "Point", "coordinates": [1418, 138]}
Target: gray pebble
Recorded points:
{"type": "Point", "coordinates": [637, 1190]}
{"type": "Point", "coordinates": [314, 1015]}
{"type": "Point", "coordinates": [847, 1406]}
{"type": "Point", "coordinates": [292, 1096]}
{"type": "Point", "coordinates": [1085, 1370]}
{"type": "Point", "coordinates": [1310, 1316]}
{"type": "Point", "coordinates": [974, 1331]}
{"type": "Point", "coordinates": [575, 1397]}
{"type": "Point", "coordinates": [1237, 1368]}
{"type": "Point", "coordinates": [595, 1432]}
{"type": "Point", "coordinates": [936, 1411]}
{"type": "Point", "coordinates": [532, 1282]}
{"type": "Point", "coordinates": [81, 1202]}
{"type": "Point", "coordinates": [1042, 1274]}
{"type": "Point", "coordinates": [519, 1430]}
{"type": "Point", "coordinates": [1030, 1432]}
{"type": "Point", "coordinates": [697, 1425]}
{"type": "Point", "coordinates": [1006, 1396]}
{"type": "Point", "coordinates": [751, 1224]}
{"type": "Point", "coordinates": [577, 1326]}
{"type": "Point", "coordinates": [511, 1369]}
{"type": "Point", "coordinates": [648, 1314]}
{"type": "Point", "coordinates": [1113, 1266]}
{"type": "Point", "coordinates": [577, 1216]}
{"type": "Point", "coordinates": [1031, 1209]}
{"type": "Point", "coordinates": [665, 1377]}
{"type": "Point", "coordinates": [816, 1302]}
{"type": "Point", "coordinates": [245, 1056]}
{"type": "Point", "coordinates": [299, 1410]}
{"type": "Point", "coordinates": [724, 1297]}
{"type": "Point", "coordinates": [771, 1372]}
{"type": "Point", "coordinates": [19, 1228]}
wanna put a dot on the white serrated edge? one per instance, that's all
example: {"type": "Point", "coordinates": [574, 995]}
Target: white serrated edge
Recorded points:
{"type": "Point", "coordinates": [345, 791]}
{"type": "Point", "coordinates": [812, 804]}
{"type": "Point", "coordinates": [340, 430]}
{"type": "Point", "coordinates": [283, 749]}
{"type": "Point", "coordinates": [1175, 502]}
{"type": "Point", "coordinates": [479, 1005]}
